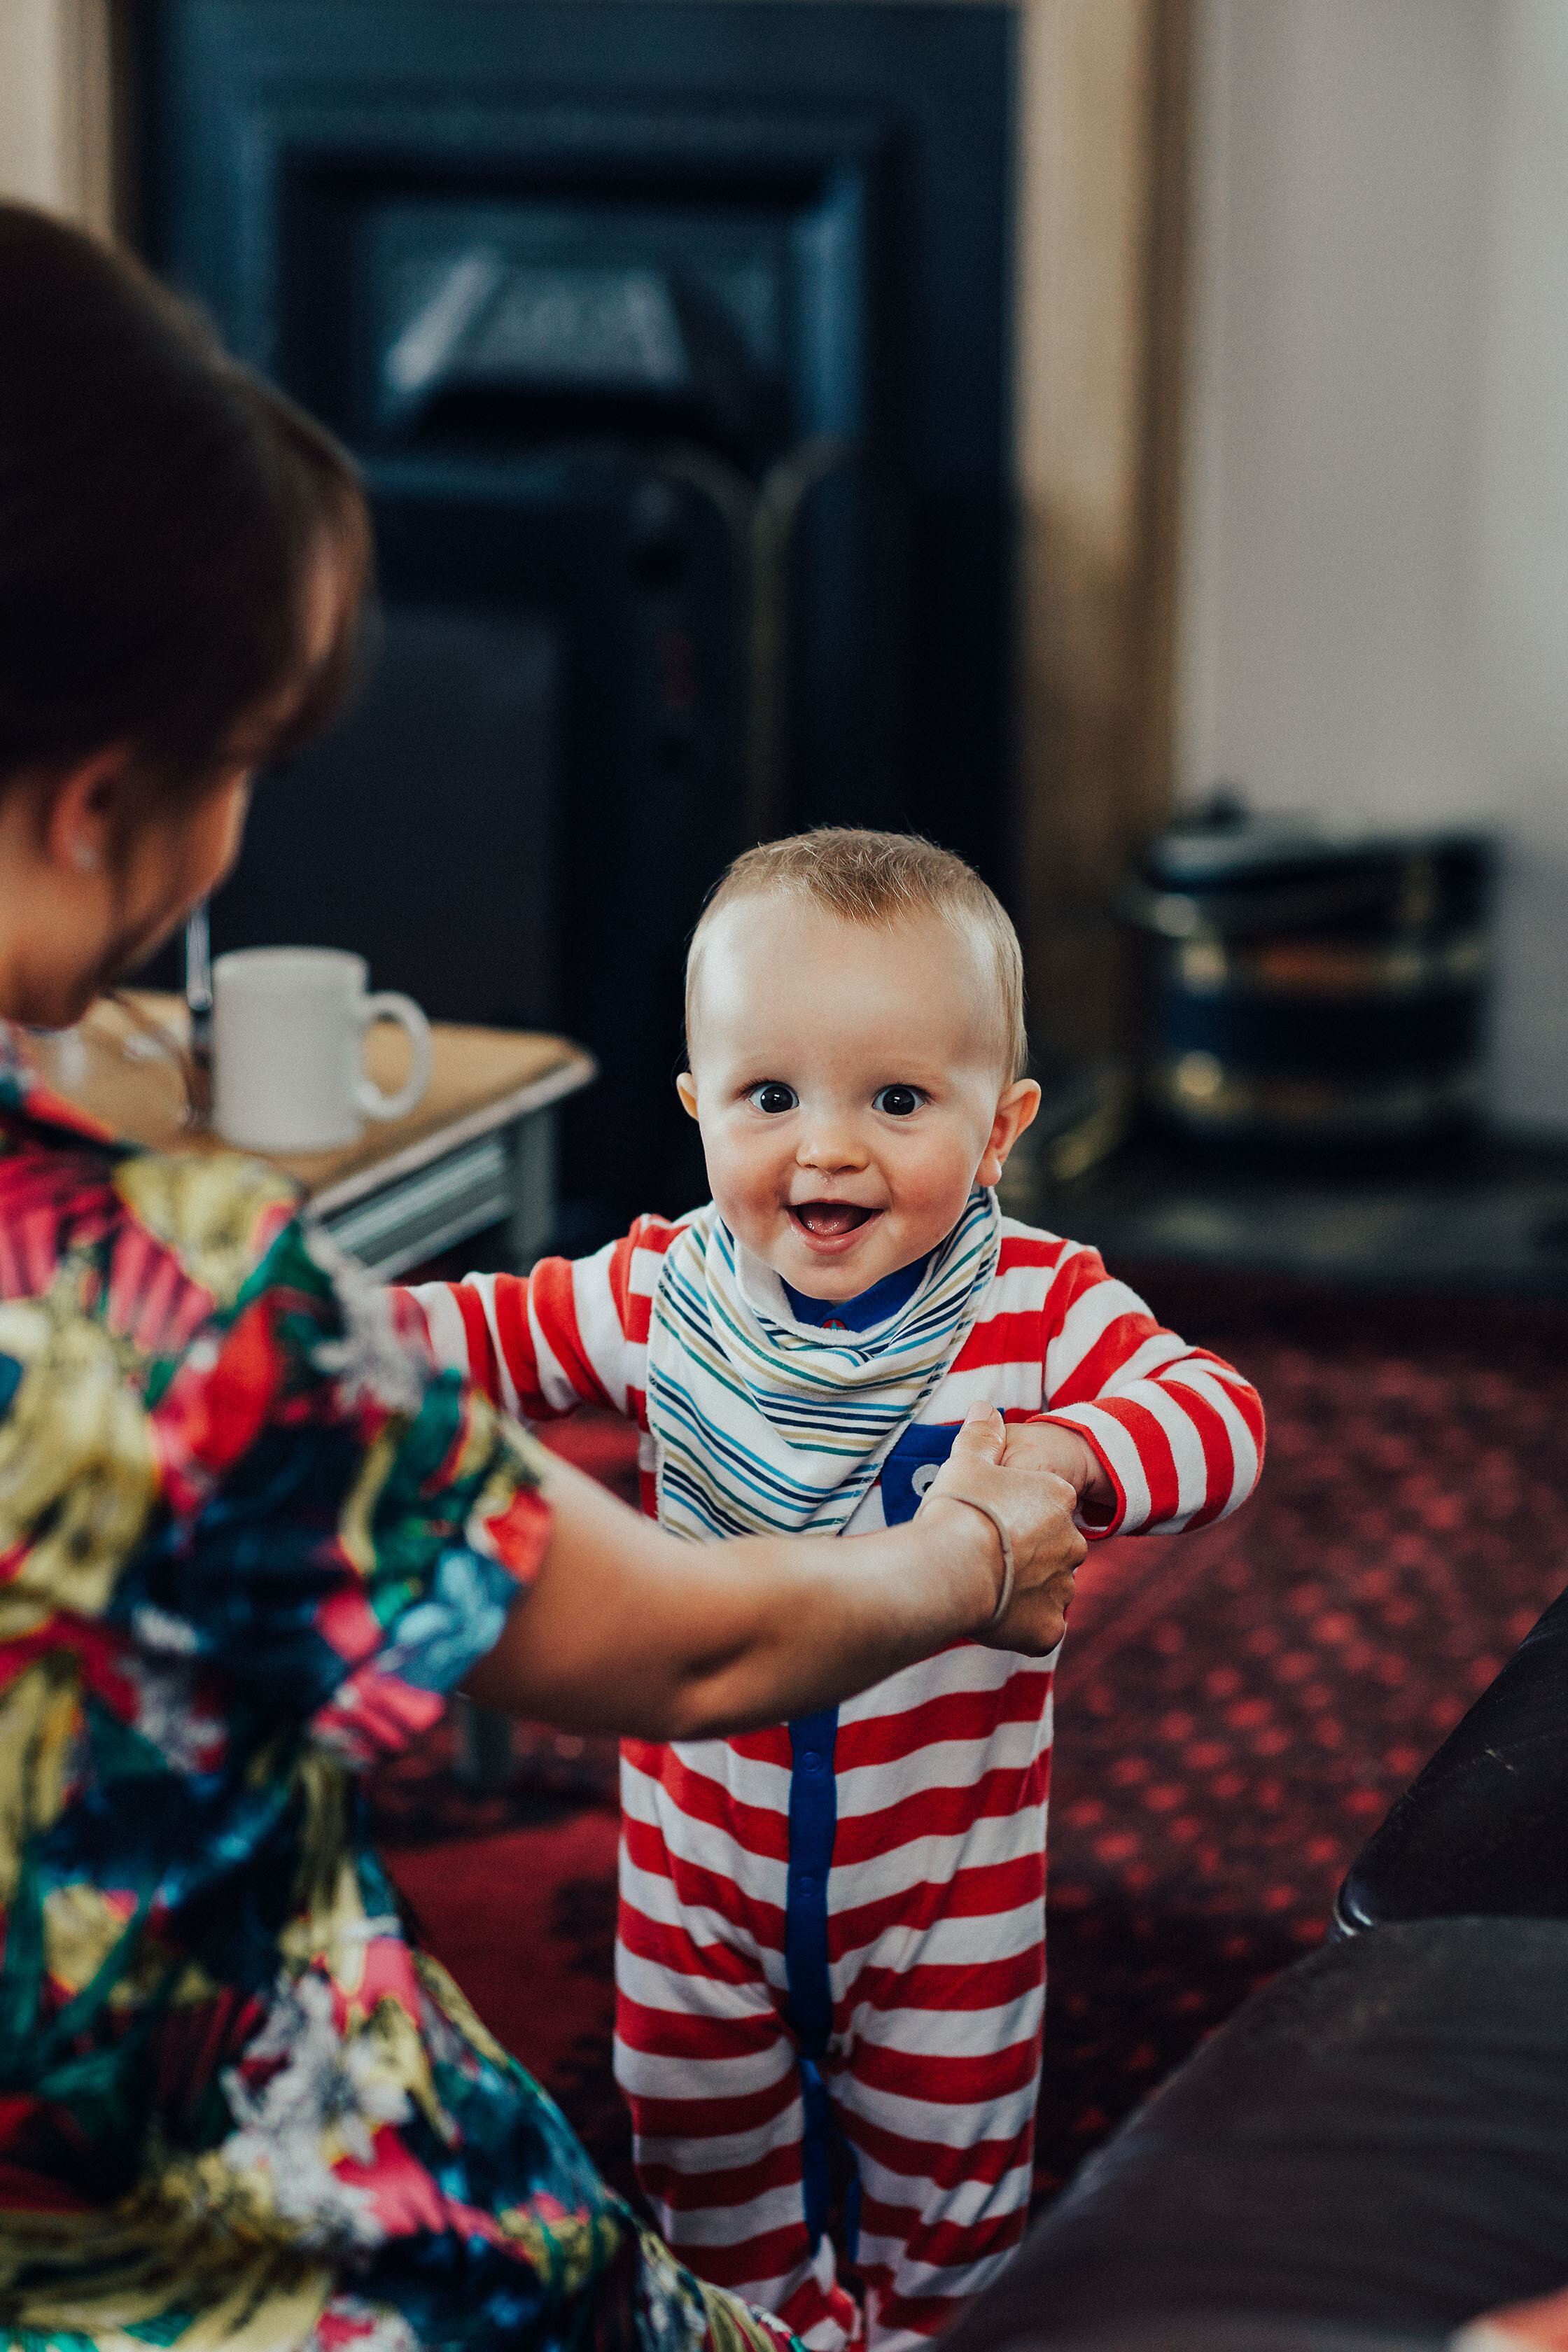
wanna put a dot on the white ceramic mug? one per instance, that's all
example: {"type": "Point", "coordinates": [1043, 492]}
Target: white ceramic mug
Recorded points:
{"type": "Point", "coordinates": [289, 1030]}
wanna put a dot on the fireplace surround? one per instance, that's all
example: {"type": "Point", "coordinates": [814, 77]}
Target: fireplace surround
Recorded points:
{"type": "Point", "coordinates": [671, 336]}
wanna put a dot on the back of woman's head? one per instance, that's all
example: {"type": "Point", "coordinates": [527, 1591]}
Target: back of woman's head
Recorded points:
{"type": "Point", "coordinates": [162, 514]}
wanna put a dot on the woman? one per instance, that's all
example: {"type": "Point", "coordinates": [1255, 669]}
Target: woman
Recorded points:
{"type": "Point", "coordinates": [249, 1538]}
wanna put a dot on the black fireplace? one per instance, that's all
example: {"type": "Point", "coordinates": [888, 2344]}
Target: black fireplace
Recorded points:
{"type": "Point", "coordinates": [672, 338]}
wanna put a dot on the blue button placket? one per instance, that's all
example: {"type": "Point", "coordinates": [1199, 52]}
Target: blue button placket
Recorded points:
{"type": "Point", "coordinates": [813, 1824]}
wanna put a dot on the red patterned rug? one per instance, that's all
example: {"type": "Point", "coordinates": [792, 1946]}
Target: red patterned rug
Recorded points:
{"type": "Point", "coordinates": [1236, 1710]}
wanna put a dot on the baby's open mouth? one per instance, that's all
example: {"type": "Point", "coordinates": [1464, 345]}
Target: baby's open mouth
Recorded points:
{"type": "Point", "coordinates": [829, 1220]}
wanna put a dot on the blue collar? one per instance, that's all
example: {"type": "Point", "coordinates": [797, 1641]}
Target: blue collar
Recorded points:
{"type": "Point", "coordinates": [873, 1306]}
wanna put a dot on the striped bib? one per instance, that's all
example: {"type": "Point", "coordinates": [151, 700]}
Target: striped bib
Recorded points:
{"type": "Point", "coordinates": [765, 1427]}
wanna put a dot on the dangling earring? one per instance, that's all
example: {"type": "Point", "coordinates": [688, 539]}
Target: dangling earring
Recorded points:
{"type": "Point", "coordinates": [84, 858]}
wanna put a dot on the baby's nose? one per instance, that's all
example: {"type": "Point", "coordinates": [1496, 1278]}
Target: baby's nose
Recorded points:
{"type": "Point", "coordinates": [831, 1143]}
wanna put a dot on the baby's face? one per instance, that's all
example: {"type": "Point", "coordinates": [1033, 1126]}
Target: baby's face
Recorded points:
{"type": "Point", "coordinates": [849, 1087]}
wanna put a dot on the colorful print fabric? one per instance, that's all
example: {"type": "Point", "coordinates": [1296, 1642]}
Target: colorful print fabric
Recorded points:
{"type": "Point", "coordinates": [249, 1537]}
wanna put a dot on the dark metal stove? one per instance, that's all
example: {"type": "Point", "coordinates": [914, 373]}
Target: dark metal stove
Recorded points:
{"type": "Point", "coordinates": [672, 340]}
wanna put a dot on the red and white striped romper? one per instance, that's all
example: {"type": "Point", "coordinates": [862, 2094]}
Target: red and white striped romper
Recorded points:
{"type": "Point", "coordinates": [831, 1939]}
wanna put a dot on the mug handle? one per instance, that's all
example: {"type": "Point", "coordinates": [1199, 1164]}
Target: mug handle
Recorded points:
{"type": "Point", "coordinates": [386, 1005]}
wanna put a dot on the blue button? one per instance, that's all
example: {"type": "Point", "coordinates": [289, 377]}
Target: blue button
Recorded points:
{"type": "Point", "coordinates": [809, 1760]}
{"type": "Point", "coordinates": [805, 1885]}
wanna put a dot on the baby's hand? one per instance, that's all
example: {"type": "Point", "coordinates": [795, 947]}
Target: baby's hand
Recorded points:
{"type": "Point", "coordinates": [1051, 1445]}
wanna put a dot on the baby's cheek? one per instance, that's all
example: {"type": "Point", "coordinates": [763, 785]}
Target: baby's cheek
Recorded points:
{"type": "Point", "coordinates": [932, 1188]}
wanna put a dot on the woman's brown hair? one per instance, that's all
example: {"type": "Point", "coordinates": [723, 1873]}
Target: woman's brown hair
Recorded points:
{"type": "Point", "coordinates": [160, 512]}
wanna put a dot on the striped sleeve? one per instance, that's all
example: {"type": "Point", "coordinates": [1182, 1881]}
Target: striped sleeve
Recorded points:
{"type": "Point", "coordinates": [1179, 1430]}
{"type": "Point", "coordinates": [573, 1331]}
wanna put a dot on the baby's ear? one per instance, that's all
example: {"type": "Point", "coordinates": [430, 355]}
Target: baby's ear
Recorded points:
{"type": "Point", "coordinates": [1016, 1110]}
{"type": "Point", "coordinates": [686, 1087]}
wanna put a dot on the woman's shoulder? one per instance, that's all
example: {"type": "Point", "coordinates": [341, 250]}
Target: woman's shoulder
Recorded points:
{"type": "Point", "coordinates": [172, 1240]}
{"type": "Point", "coordinates": [163, 1245]}
{"type": "Point", "coordinates": [71, 1183]}
{"type": "Point", "coordinates": [237, 1414]}
{"type": "Point", "coordinates": [219, 1215]}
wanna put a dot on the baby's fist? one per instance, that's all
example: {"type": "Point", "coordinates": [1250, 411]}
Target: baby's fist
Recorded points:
{"type": "Point", "coordinates": [1053, 1446]}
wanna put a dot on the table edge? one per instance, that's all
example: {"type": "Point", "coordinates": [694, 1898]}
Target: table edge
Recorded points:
{"type": "Point", "coordinates": [567, 1078]}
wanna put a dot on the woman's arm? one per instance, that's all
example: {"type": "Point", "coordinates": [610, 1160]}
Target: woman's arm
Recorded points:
{"type": "Point", "coordinates": [627, 1629]}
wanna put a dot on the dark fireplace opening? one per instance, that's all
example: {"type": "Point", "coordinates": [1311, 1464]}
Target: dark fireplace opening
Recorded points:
{"type": "Point", "coordinates": [671, 338]}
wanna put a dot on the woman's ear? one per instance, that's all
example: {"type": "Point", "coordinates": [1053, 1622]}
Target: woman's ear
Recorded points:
{"type": "Point", "coordinates": [686, 1087]}
{"type": "Point", "coordinates": [81, 813]}
{"type": "Point", "coordinates": [1015, 1109]}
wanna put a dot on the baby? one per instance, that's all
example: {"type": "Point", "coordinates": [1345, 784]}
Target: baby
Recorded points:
{"type": "Point", "coordinates": [831, 1960]}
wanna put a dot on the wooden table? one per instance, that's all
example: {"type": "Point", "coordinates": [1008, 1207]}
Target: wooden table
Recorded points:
{"type": "Point", "coordinates": [479, 1150]}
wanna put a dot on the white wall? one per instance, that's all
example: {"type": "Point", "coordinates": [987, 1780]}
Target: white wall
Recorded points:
{"type": "Point", "coordinates": [1376, 589]}
{"type": "Point", "coordinates": [54, 106]}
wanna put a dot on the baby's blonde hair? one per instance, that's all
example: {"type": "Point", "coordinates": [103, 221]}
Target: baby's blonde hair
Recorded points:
{"type": "Point", "coordinates": [879, 879]}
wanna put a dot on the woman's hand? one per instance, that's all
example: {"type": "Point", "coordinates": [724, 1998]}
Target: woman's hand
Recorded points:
{"type": "Point", "coordinates": [1037, 1508]}
{"type": "Point", "coordinates": [627, 1629]}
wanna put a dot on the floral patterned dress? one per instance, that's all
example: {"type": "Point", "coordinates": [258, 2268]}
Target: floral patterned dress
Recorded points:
{"type": "Point", "coordinates": [248, 1541]}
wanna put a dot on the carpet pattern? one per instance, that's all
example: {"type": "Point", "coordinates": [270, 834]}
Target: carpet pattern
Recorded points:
{"type": "Point", "coordinates": [1236, 1709]}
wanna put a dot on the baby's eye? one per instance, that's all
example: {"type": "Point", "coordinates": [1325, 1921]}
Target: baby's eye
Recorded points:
{"type": "Point", "coordinates": [897, 1102]}
{"type": "Point", "coordinates": [773, 1096]}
